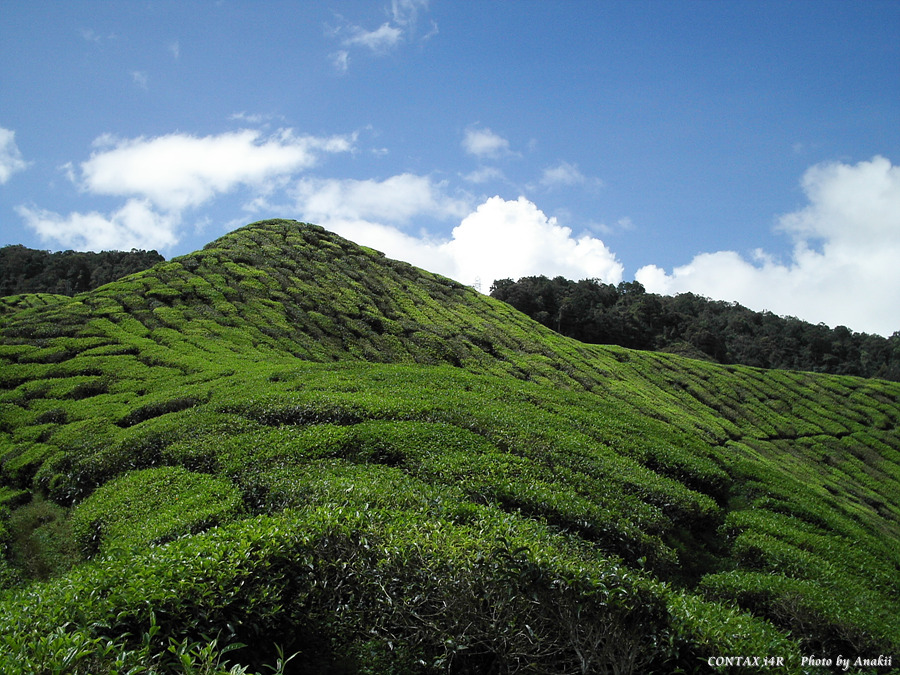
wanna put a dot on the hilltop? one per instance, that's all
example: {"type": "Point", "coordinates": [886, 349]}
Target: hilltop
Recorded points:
{"type": "Point", "coordinates": [292, 443]}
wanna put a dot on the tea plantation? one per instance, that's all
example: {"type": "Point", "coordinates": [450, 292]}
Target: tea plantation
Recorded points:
{"type": "Point", "coordinates": [288, 453]}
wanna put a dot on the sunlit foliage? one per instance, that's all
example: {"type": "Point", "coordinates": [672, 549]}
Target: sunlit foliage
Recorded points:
{"type": "Point", "coordinates": [288, 444]}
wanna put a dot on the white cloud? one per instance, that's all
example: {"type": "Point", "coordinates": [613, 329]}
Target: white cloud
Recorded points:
{"type": "Point", "coordinates": [89, 35]}
{"type": "Point", "coordinates": [843, 268]}
{"type": "Point", "coordinates": [178, 171]}
{"type": "Point", "coordinates": [10, 158]}
{"type": "Point", "coordinates": [259, 119]}
{"type": "Point", "coordinates": [514, 239]}
{"type": "Point", "coordinates": [135, 225]}
{"type": "Point", "coordinates": [498, 239]}
{"type": "Point", "coordinates": [420, 250]}
{"type": "Point", "coordinates": [175, 50]}
{"type": "Point", "coordinates": [382, 39]}
{"type": "Point", "coordinates": [341, 60]}
{"type": "Point", "coordinates": [563, 174]}
{"type": "Point", "coordinates": [485, 143]}
{"type": "Point", "coordinates": [140, 78]}
{"type": "Point", "coordinates": [624, 224]}
{"type": "Point", "coordinates": [484, 174]}
{"type": "Point", "coordinates": [396, 200]}
{"type": "Point", "coordinates": [162, 177]}
{"type": "Point", "coordinates": [406, 12]}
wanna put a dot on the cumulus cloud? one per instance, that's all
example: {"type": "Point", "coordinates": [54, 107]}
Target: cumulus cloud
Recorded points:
{"type": "Point", "coordinates": [178, 171]}
{"type": "Point", "coordinates": [396, 200]}
{"type": "Point", "coordinates": [135, 225]}
{"type": "Point", "coordinates": [843, 268]}
{"type": "Point", "coordinates": [10, 158]}
{"type": "Point", "coordinates": [484, 143]}
{"type": "Point", "coordinates": [419, 249]}
{"type": "Point", "coordinates": [498, 239]}
{"type": "Point", "coordinates": [504, 238]}
{"type": "Point", "coordinates": [162, 177]}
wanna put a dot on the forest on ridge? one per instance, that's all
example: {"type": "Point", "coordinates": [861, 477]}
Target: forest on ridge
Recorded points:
{"type": "Point", "coordinates": [688, 324]}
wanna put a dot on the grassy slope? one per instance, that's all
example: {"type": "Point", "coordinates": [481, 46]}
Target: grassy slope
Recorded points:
{"type": "Point", "coordinates": [313, 404]}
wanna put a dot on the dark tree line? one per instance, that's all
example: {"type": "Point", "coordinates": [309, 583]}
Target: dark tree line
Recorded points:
{"type": "Point", "coordinates": [26, 270]}
{"type": "Point", "coordinates": [626, 315]}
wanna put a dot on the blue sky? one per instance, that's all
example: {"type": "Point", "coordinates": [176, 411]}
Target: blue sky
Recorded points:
{"type": "Point", "coordinates": [740, 150]}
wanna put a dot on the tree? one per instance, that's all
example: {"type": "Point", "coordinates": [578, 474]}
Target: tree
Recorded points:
{"type": "Point", "coordinates": [727, 332]}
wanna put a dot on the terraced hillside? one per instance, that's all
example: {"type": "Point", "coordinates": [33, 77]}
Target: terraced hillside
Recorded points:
{"type": "Point", "coordinates": [289, 444]}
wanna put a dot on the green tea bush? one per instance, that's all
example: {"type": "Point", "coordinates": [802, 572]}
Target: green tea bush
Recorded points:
{"type": "Point", "coordinates": [157, 409]}
{"type": "Point", "coordinates": [386, 592]}
{"type": "Point", "coordinates": [823, 621]}
{"type": "Point", "coordinates": [39, 540]}
{"type": "Point", "coordinates": [700, 629]}
{"type": "Point", "coordinates": [151, 506]}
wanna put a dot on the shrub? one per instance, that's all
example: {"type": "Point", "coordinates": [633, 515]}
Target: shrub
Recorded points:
{"type": "Point", "coordinates": [151, 506]}
{"type": "Point", "coordinates": [386, 592]}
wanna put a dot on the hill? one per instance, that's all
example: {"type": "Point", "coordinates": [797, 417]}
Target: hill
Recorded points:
{"type": "Point", "coordinates": [286, 443]}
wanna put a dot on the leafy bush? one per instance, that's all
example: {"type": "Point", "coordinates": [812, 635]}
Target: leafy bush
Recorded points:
{"type": "Point", "coordinates": [824, 623]}
{"type": "Point", "coordinates": [152, 506]}
{"type": "Point", "coordinates": [384, 591]}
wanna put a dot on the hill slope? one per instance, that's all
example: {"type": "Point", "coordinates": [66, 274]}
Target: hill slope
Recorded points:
{"type": "Point", "coordinates": [290, 441]}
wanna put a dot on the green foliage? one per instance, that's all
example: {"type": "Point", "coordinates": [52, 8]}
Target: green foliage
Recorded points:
{"type": "Point", "coordinates": [287, 442]}
{"type": "Point", "coordinates": [38, 540]}
{"type": "Point", "coordinates": [357, 579]}
{"type": "Point", "coordinates": [25, 270]}
{"type": "Point", "coordinates": [152, 506]}
{"type": "Point", "coordinates": [697, 327]}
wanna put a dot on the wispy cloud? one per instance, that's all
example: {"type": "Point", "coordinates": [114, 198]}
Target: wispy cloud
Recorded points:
{"type": "Point", "coordinates": [10, 158]}
{"type": "Point", "coordinates": [843, 268]}
{"type": "Point", "coordinates": [563, 174]}
{"type": "Point", "coordinates": [380, 40]}
{"type": "Point", "coordinates": [140, 78]}
{"type": "Point", "coordinates": [485, 144]}
{"type": "Point", "coordinates": [89, 35]}
{"type": "Point", "coordinates": [406, 12]}
{"type": "Point", "coordinates": [175, 50]}
{"type": "Point", "coordinates": [256, 119]}
{"type": "Point", "coordinates": [341, 60]}
{"type": "Point", "coordinates": [484, 174]}
{"type": "Point", "coordinates": [400, 27]}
